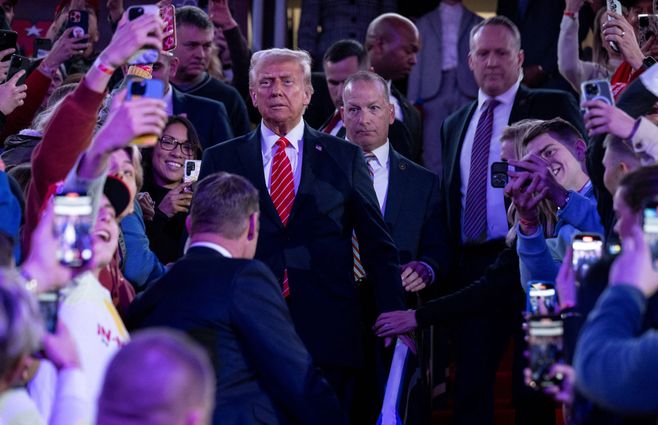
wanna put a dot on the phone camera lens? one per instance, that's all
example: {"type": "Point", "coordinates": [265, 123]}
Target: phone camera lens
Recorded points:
{"type": "Point", "coordinates": [591, 89]}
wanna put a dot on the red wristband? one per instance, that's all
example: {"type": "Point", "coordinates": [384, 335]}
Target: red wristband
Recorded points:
{"type": "Point", "coordinates": [571, 15]}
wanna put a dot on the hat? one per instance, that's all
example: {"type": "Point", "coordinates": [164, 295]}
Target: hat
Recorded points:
{"type": "Point", "coordinates": [117, 193]}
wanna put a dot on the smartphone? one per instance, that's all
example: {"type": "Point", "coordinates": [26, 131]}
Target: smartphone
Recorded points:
{"type": "Point", "coordinates": [79, 21]}
{"type": "Point", "coordinates": [587, 249]}
{"type": "Point", "coordinates": [613, 6]}
{"type": "Point", "coordinates": [145, 55]}
{"type": "Point", "coordinates": [192, 169]}
{"type": "Point", "coordinates": [545, 348]}
{"type": "Point", "coordinates": [597, 90]}
{"type": "Point", "coordinates": [8, 40]}
{"type": "Point", "coordinates": [73, 227]}
{"type": "Point", "coordinates": [145, 88]}
{"type": "Point", "coordinates": [647, 28]}
{"type": "Point", "coordinates": [542, 299]}
{"type": "Point", "coordinates": [41, 47]}
{"type": "Point", "coordinates": [499, 176]}
{"type": "Point", "coordinates": [168, 15]}
{"type": "Point", "coordinates": [650, 228]}
{"type": "Point", "coordinates": [48, 306]}
{"type": "Point", "coordinates": [19, 62]}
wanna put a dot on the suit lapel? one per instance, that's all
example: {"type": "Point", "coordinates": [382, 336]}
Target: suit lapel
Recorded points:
{"type": "Point", "coordinates": [396, 176]}
{"type": "Point", "coordinates": [311, 158]}
{"type": "Point", "coordinates": [519, 108]}
{"type": "Point", "coordinates": [176, 101]}
{"type": "Point", "coordinates": [251, 157]}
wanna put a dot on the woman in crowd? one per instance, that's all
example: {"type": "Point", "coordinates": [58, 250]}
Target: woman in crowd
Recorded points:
{"type": "Point", "coordinates": [604, 59]}
{"type": "Point", "coordinates": [163, 180]}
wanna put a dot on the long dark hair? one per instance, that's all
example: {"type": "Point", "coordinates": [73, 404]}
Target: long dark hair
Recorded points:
{"type": "Point", "coordinates": [192, 138]}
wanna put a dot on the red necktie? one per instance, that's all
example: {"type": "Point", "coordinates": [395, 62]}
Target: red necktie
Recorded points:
{"type": "Point", "coordinates": [282, 191]}
{"type": "Point", "coordinates": [332, 123]}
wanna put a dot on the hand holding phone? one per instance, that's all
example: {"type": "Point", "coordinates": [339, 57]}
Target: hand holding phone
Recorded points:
{"type": "Point", "coordinates": [147, 54]}
{"type": "Point", "coordinates": [615, 7]}
{"type": "Point", "coordinates": [153, 89]}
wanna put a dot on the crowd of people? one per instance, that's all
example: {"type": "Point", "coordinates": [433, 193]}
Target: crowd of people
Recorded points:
{"type": "Point", "coordinates": [268, 244]}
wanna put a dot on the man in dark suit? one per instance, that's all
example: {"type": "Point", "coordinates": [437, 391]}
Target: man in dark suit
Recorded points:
{"type": "Point", "coordinates": [392, 42]}
{"type": "Point", "coordinates": [232, 305]}
{"type": "Point", "coordinates": [208, 116]}
{"type": "Point", "coordinates": [342, 59]}
{"type": "Point", "coordinates": [314, 192]}
{"type": "Point", "coordinates": [407, 194]}
{"type": "Point", "coordinates": [474, 222]}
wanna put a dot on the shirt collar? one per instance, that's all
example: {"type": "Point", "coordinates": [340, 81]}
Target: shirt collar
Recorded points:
{"type": "Point", "coordinates": [269, 137]}
{"type": "Point", "coordinates": [382, 153]}
{"type": "Point", "coordinates": [225, 252]}
{"type": "Point", "coordinates": [506, 98]}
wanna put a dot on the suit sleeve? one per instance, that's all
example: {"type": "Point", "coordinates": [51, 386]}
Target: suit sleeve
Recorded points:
{"type": "Point", "coordinates": [378, 252]}
{"type": "Point", "coordinates": [432, 244]}
{"type": "Point", "coordinates": [498, 289]}
{"type": "Point", "coordinates": [278, 354]}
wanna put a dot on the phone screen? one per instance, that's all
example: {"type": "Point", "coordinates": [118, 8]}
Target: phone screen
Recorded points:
{"type": "Point", "coordinates": [542, 299]}
{"type": "Point", "coordinates": [545, 346]}
{"type": "Point", "coordinates": [587, 249]}
{"type": "Point", "coordinates": [650, 228]}
{"type": "Point", "coordinates": [72, 227]}
{"type": "Point", "coordinates": [168, 15]}
{"type": "Point", "coordinates": [48, 305]}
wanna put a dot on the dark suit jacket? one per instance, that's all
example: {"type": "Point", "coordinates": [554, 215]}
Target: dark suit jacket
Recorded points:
{"type": "Point", "coordinates": [412, 120]}
{"type": "Point", "coordinates": [208, 116]}
{"type": "Point", "coordinates": [235, 310]}
{"type": "Point", "coordinates": [539, 104]}
{"type": "Point", "coordinates": [334, 197]}
{"type": "Point", "coordinates": [412, 211]}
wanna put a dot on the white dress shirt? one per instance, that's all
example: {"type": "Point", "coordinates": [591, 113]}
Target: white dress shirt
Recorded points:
{"type": "Point", "coordinates": [451, 17]}
{"type": "Point", "coordinates": [216, 247]}
{"type": "Point", "coordinates": [396, 103]}
{"type": "Point", "coordinates": [294, 151]}
{"type": "Point", "coordinates": [380, 171]}
{"type": "Point", "coordinates": [169, 100]}
{"type": "Point", "coordinates": [496, 214]}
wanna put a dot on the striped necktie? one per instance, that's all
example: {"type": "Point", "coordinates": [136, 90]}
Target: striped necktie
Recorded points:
{"type": "Point", "coordinates": [359, 271]}
{"type": "Point", "coordinates": [475, 216]}
{"type": "Point", "coordinates": [282, 192]}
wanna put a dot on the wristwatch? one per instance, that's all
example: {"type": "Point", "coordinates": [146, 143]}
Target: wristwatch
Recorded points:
{"type": "Point", "coordinates": [648, 62]}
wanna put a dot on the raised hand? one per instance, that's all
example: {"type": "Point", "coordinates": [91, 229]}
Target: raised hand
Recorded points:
{"type": "Point", "coordinates": [11, 95]}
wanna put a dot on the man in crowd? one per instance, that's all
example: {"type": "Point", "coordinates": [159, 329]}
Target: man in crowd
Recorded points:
{"type": "Point", "coordinates": [210, 119]}
{"type": "Point", "coordinates": [407, 194]}
{"type": "Point", "coordinates": [314, 192]}
{"type": "Point", "coordinates": [160, 377]}
{"type": "Point", "coordinates": [440, 83]}
{"type": "Point", "coordinates": [233, 306]}
{"type": "Point", "coordinates": [342, 59]}
{"type": "Point", "coordinates": [194, 32]}
{"type": "Point", "coordinates": [475, 222]}
{"type": "Point", "coordinates": [392, 42]}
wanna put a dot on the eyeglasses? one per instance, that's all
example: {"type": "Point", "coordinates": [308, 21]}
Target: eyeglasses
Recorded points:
{"type": "Point", "coordinates": [168, 143]}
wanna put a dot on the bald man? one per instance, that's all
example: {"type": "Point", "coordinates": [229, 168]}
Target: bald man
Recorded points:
{"type": "Point", "coordinates": [392, 42]}
{"type": "Point", "coordinates": [160, 377]}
